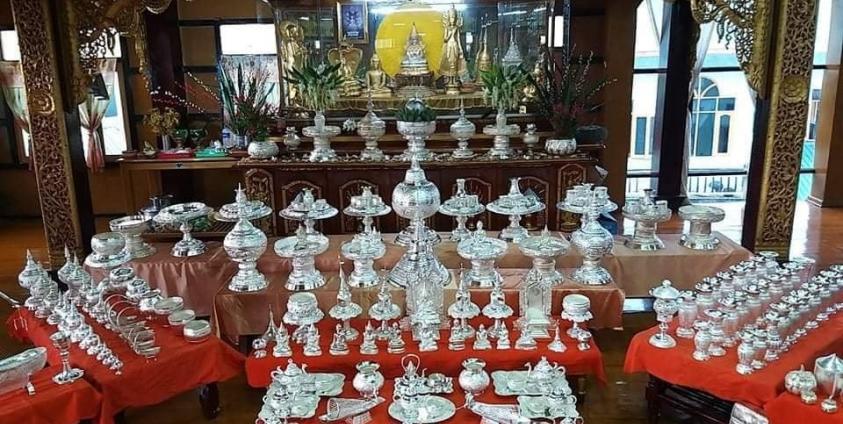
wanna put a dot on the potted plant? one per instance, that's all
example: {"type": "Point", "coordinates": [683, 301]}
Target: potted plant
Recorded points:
{"type": "Point", "coordinates": [564, 94]}
{"type": "Point", "coordinates": [162, 122]}
{"type": "Point", "coordinates": [416, 121]}
{"type": "Point", "coordinates": [245, 97]}
{"type": "Point", "coordinates": [318, 87]}
{"type": "Point", "coordinates": [502, 86]}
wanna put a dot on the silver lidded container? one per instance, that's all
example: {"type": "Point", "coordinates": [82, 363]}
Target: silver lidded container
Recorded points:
{"type": "Point", "coordinates": [501, 131]}
{"type": "Point", "coordinates": [699, 235]}
{"type": "Point", "coordinates": [244, 244]}
{"type": "Point", "coordinates": [461, 205]}
{"type": "Point", "coordinates": [515, 204]}
{"type": "Point", "coordinates": [593, 242]}
{"type": "Point", "coordinates": [665, 306]}
{"type": "Point", "coordinates": [371, 128]}
{"type": "Point", "coordinates": [647, 214]}
{"type": "Point", "coordinates": [132, 227]}
{"type": "Point", "coordinates": [182, 214]}
{"type": "Point", "coordinates": [366, 246]}
{"type": "Point", "coordinates": [462, 130]}
{"type": "Point", "coordinates": [482, 251]}
{"type": "Point", "coordinates": [827, 369]}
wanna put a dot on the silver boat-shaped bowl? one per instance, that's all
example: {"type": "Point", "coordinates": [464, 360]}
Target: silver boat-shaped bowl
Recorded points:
{"type": "Point", "coordinates": [15, 370]}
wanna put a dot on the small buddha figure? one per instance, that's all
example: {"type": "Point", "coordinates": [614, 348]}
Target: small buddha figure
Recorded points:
{"type": "Point", "coordinates": [414, 69]}
{"type": "Point", "coordinates": [376, 78]}
{"type": "Point", "coordinates": [348, 57]}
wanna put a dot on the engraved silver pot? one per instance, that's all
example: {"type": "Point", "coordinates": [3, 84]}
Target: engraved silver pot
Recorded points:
{"type": "Point", "coordinates": [416, 133]}
{"type": "Point", "coordinates": [244, 244]}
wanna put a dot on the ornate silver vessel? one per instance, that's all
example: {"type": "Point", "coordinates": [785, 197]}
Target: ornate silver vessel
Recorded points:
{"type": "Point", "coordinates": [665, 306]}
{"type": "Point", "coordinates": [462, 130]}
{"type": "Point", "coordinates": [461, 205]}
{"type": "Point", "coordinates": [593, 242]}
{"type": "Point", "coordinates": [242, 206]}
{"type": "Point", "coordinates": [308, 209]}
{"type": "Point", "coordinates": [579, 198]}
{"type": "Point", "coordinates": [462, 310]}
{"type": "Point", "coordinates": [321, 134]}
{"type": "Point", "coordinates": [345, 309]}
{"type": "Point", "coordinates": [829, 372]}
{"type": "Point", "coordinates": [515, 204]}
{"type": "Point", "coordinates": [482, 251]}
{"type": "Point", "coordinates": [416, 133]}
{"type": "Point", "coordinates": [647, 214]}
{"type": "Point", "coordinates": [371, 128]}
{"type": "Point", "coordinates": [384, 310]}
{"type": "Point", "coordinates": [302, 248]}
{"type": "Point", "coordinates": [501, 131]}
{"type": "Point", "coordinates": [366, 246]}
{"type": "Point", "coordinates": [699, 235]}
{"type": "Point", "coordinates": [182, 214]}
{"type": "Point", "coordinates": [544, 248]}
{"type": "Point", "coordinates": [302, 311]}
{"type": "Point", "coordinates": [132, 227]}
{"type": "Point", "coordinates": [536, 289]}
{"type": "Point", "coordinates": [530, 139]}
{"type": "Point", "coordinates": [15, 370]}
{"type": "Point", "coordinates": [497, 310]}
{"type": "Point", "coordinates": [244, 244]}
{"type": "Point", "coordinates": [577, 309]}
{"type": "Point", "coordinates": [262, 149]}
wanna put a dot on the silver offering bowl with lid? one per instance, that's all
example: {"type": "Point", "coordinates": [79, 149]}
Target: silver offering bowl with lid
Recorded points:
{"type": "Point", "coordinates": [665, 306]}
{"type": "Point", "coordinates": [647, 214]}
{"type": "Point", "coordinates": [593, 242]}
{"type": "Point", "coordinates": [371, 128]}
{"type": "Point", "coordinates": [308, 209]}
{"type": "Point", "coordinates": [302, 311]}
{"type": "Point", "coordinates": [462, 130]}
{"type": "Point", "coordinates": [482, 251]}
{"type": "Point", "coordinates": [182, 214]}
{"type": "Point", "coordinates": [244, 244]}
{"type": "Point", "coordinates": [132, 227]}
{"type": "Point", "coordinates": [515, 204]}
{"type": "Point", "coordinates": [577, 309]}
{"type": "Point", "coordinates": [699, 235]}
{"type": "Point", "coordinates": [302, 249]}
{"type": "Point", "coordinates": [109, 253]}
{"type": "Point", "coordinates": [461, 205]}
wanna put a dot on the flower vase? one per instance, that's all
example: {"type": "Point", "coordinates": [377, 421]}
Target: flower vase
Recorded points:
{"type": "Point", "coordinates": [165, 142]}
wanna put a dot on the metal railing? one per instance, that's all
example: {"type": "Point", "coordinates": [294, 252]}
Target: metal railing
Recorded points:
{"type": "Point", "coordinates": [714, 184]}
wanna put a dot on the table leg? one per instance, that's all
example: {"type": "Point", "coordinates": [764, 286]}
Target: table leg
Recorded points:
{"type": "Point", "coordinates": [209, 399]}
{"type": "Point", "coordinates": [654, 388]}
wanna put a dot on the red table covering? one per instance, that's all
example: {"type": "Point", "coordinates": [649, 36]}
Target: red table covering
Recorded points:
{"type": "Point", "coordinates": [789, 409]}
{"type": "Point", "coordinates": [718, 377]}
{"type": "Point", "coordinates": [52, 403]}
{"type": "Point", "coordinates": [181, 366]}
{"type": "Point", "coordinates": [380, 413]}
{"type": "Point", "coordinates": [448, 362]}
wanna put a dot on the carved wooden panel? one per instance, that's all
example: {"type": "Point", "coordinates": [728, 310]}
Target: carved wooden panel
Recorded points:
{"type": "Point", "coordinates": [289, 192]}
{"type": "Point", "coordinates": [350, 224]}
{"type": "Point", "coordinates": [483, 190]}
{"type": "Point", "coordinates": [542, 189]}
{"type": "Point", "coordinates": [568, 176]}
{"type": "Point", "coordinates": [260, 186]}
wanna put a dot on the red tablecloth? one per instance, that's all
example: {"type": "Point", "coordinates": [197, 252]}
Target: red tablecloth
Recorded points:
{"type": "Point", "coordinates": [180, 367]}
{"type": "Point", "coordinates": [789, 409]}
{"type": "Point", "coordinates": [718, 377]}
{"type": "Point", "coordinates": [52, 403]}
{"type": "Point", "coordinates": [380, 413]}
{"type": "Point", "coordinates": [443, 360]}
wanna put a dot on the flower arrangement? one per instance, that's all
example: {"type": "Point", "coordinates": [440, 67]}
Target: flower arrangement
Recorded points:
{"type": "Point", "coordinates": [318, 85]}
{"type": "Point", "coordinates": [162, 121]}
{"type": "Point", "coordinates": [564, 92]}
{"type": "Point", "coordinates": [415, 111]}
{"type": "Point", "coordinates": [502, 85]}
{"type": "Point", "coordinates": [245, 99]}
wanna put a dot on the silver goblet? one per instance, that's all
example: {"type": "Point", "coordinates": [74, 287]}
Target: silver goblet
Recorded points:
{"type": "Point", "coordinates": [68, 374]}
{"type": "Point", "coordinates": [665, 307]}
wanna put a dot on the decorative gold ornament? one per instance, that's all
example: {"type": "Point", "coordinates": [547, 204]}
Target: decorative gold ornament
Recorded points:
{"type": "Point", "coordinates": [746, 24]}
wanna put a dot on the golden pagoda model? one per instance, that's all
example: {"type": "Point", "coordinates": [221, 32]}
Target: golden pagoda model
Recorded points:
{"type": "Point", "coordinates": [348, 57]}
{"type": "Point", "coordinates": [483, 59]}
{"type": "Point", "coordinates": [453, 64]}
{"type": "Point", "coordinates": [414, 69]}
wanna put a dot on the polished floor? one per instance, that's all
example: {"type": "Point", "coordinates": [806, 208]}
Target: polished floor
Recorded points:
{"type": "Point", "coordinates": [817, 234]}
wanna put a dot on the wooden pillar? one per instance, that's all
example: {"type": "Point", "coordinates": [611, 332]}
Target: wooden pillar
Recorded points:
{"type": "Point", "coordinates": [669, 143]}
{"type": "Point", "coordinates": [781, 118]}
{"type": "Point", "coordinates": [827, 190]}
{"type": "Point", "coordinates": [50, 148]}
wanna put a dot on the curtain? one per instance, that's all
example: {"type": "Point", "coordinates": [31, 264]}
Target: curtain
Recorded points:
{"type": "Point", "coordinates": [91, 112]}
{"type": "Point", "coordinates": [14, 91]}
{"type": "Point", "coordinates": [706, 32]}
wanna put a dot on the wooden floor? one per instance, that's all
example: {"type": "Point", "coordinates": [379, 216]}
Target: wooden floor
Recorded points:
{"type": "Point", "coordinates": [817, 234]}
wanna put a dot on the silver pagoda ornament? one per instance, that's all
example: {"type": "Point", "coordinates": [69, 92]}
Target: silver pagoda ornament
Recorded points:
{"type": "Point", "coordinates": [244, 244]}
{"type": "Point", "coordinates": [416, 199]}
{"type": "Point", "coordinates": [666, 305]}
{"type": "Point", "coordinates": [384, 310]}
{"type": "Point", "coordinates": [647, 214]}
{"type": "Point", "coordinates": [591, 240]}
{"type": "Point", "coordinates": [515, 204]}
{"type": "Point", "coordinates": [366, 246]}
{"type": "Point", "coordinates": [544, 248]}
{"type": "Point", "coordinates": [462, 205]}
{"type": "Point", "coordinates": [699, 235]}
{"type": "Point", "coordinates": [462, 130]}
{"type": "Point", "coordinates": [345, 309]}
{"type": "Point", "coordinates": [302, 249]}
{"type": "Point", "coordinates": [462, 310]}
{"type": "Point", "coordinates": [497, 310]}
{"type": "Point", "coordinates": [242, 208]}
{"type": "Point", "coordinates": [183, 214]}
{"type": "Point", "coordinates": [371, 128]}
{"type": "Point", "coordinates": [482, 251]}
{"type": "Point", "coordinates": [308, 209]}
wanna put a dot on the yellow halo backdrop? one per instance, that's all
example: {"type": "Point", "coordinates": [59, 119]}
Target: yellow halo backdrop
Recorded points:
{"type": "Point", "coordinates": [395, 29]}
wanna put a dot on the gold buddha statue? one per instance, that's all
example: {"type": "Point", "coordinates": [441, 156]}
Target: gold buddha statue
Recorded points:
{"type": "Point", "coordinates": [453, 64]}
{"type": "Point", "coordinates": [376, 79]}
{"type": "Point", "coordinates": [348, 57]}
{"type": "Point", "coordinates": [293, 55]}
{"type": "Point", "coordinates": [414, 69]}
{"type": "Point", "coordinates": [529, 91]}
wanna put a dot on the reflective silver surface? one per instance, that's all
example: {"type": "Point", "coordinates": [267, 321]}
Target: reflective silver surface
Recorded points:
{"type": "Point", "coordinates": [244, 244]}
{"type": "Point", "coordinates": [462, 205]}
{"type": "Point", "coordinates": [302, 249]}
{"type": "Point", "coordinates": [371, 128]}
{"type": "Point", "coordinates": [501, 131]}
{"type": "Point", "coordinates": [482, 251]}
{"type": "Point", "coordinates": [647, 213]}
{"type": "Point", "coordinates": [321, 135]}
{"type": "Point", "coordinates": [182, 214]}
{"type": "Point", "coordinates": [699, 235]}
{"type": "Point", "coordinates": [462, 130]}
{"type": "Point", "coordinates": [132, 228]}
{"type": "Point", "coordinates": [515, 204]}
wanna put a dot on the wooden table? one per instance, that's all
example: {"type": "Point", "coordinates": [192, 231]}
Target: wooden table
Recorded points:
{"type": "Point", "coordinates": [51, 403]}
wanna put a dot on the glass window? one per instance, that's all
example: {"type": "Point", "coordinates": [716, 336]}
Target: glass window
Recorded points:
{"type": "Point", "coordinates": [823, 32]}
{"type": "Point", "coordinates": [9, 45]}
{"type": "Point", "coordinates": [248, 39]}
{"type": "Point", "coordinates": [648, 35]}
{"type": "Point", "coordinates": [640, 135]}
{"type": "Point", "coordinates": [708, 109]}
{"type": "Point", "coordinates": [723, 137]}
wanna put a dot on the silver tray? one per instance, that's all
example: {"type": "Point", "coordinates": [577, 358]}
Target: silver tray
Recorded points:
{"type": "Point", "coordinates": [514, 383]}
{"type": "Point", "coordinates": [328, 384]}
{"type": "Point", "coordinates": [302, 407]}
{"type": "Point", "coordinates": [441, 410]}
{"type": "Point", "coordinates": [537, 407]}
{"type": "Point", "coordinates": [15, 370]}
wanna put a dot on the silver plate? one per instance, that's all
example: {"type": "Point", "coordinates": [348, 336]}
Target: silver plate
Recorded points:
{"type": "Point", "coordinates": [514, 383]}
{"type": "Point", "coordinates": [302, 407]}
{"type": "Point", "coordinates": [537, 407]}
{"type": "Point", "coordinates": [328, 384]}
{"type": "Point", "coordinates": [438, 409]}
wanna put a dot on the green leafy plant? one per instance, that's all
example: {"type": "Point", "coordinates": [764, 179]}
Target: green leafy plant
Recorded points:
{"type": "Point", "coordinates": [565, 93]}
{"type": "Point", "coordinates": [503, 85]}
{"type": "Point", "coordinates": [245, 98]}
{"type": "Point", "coordinates": [415, 111]}
{"type": "Point", "coordinates": [317, 84]}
